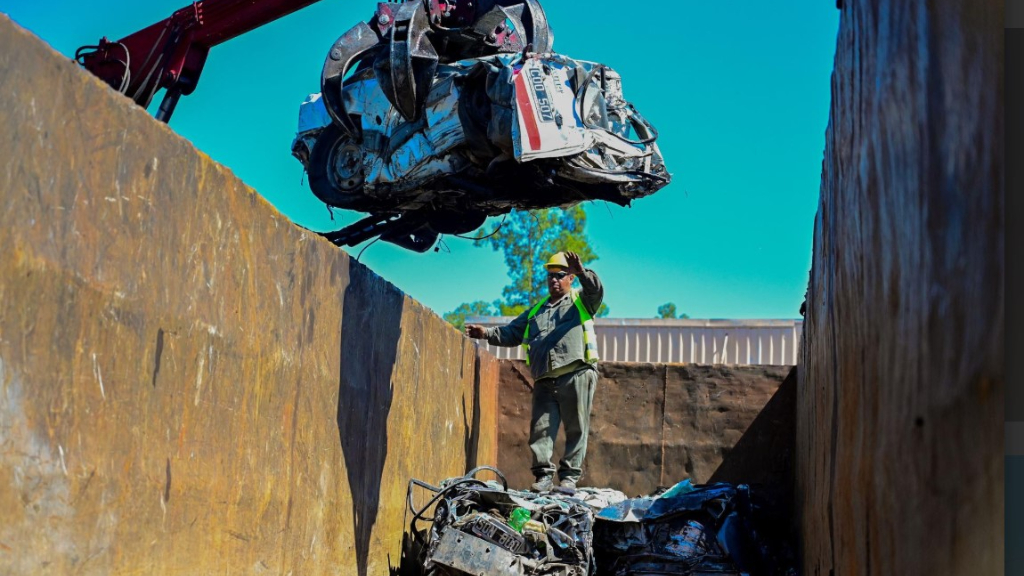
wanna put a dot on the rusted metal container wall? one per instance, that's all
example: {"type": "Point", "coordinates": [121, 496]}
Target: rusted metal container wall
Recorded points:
{"type": "Point", "coordinates": [190, 384]}
{"type": "Point", "coordinates": [652, 424]}
{"type": "Point", "coordinates": [734, 342]}
{"type": "Point", "coordinates": [901, 381]}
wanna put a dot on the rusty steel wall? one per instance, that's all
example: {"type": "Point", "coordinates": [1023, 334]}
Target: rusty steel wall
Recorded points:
{"type": "Point", "coordinates": [190, 384]}
{"type": "Point", "coordinates": [651, 425]}
{"type": "Point", "coordinates": [765, 454]}
{"type": "Point", "coordinates": [901, 383]}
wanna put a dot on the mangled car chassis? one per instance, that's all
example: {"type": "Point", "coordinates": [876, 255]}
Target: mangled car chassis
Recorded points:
{"type": "Point", "coordinates": [483, 528]}
{"type": "Point", "coordinates": [437, 114]}
{"type": "Point", "coordinates": [471, 531]}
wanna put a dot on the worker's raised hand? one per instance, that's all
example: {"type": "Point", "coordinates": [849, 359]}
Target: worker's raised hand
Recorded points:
{"type": "Point", "coordinates": [474, 331]}
{"type": "Point", "coordinates": [574, 262]}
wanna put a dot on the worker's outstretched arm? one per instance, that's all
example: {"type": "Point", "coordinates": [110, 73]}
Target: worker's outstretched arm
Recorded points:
{"type": "Point", "coordinates": [593, 291]}
{"type": "Point", "coordinates": [509, 335]}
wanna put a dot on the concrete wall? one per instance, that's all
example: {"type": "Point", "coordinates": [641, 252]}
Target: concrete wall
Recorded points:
{"type": "Point", "coordinates": [900, 410]}
{"type": "Point", "coordinates": [652, 424]}
{"type": "Point", "coordinates": [189, 383]}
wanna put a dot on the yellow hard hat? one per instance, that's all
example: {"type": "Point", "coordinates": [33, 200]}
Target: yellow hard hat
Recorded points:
{"type": "Point", "coordinates": [557, 260]}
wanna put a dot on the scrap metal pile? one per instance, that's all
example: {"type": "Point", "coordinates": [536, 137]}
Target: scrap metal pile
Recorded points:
{"type": "Point", "coordinates": [439, 113]}
{"type": "Point", "coordinates": [691, 531]}
{"type": "Point", "coordinates": [484, 528]}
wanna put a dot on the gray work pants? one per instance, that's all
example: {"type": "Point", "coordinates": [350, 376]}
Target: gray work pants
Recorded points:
{"type": "Point", "coordinates": [566, 399]}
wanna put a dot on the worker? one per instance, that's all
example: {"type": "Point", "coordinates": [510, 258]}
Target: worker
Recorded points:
{"type": "Point", "coordinates": [557, 334]}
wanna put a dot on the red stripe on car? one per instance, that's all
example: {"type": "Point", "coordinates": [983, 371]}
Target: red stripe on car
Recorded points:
{"type": "Point", "coordinates": [526, 111]}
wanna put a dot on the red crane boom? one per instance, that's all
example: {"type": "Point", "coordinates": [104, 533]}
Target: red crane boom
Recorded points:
{"type": "Point", "coordinates": [171, 53]}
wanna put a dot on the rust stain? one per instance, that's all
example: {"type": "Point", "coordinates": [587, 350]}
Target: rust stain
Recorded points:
{"type": "Point", "coordinates": [181, 435]}
{"type": "Point", "coordinates": [288, 417]}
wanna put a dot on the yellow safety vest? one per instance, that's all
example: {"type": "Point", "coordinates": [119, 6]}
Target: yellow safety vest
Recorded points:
{"type": "Point", "coordinates": [589, 335]}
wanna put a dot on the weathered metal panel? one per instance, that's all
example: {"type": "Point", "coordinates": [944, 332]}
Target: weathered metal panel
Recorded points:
{"type": "Point", "coordinates": [734, 342]}
{"type": "Point", "coordinates": [901, 382]}
{"type": "Point", "coordinates": [652, 424]}
{"type": "Point", "coordinates": [189, 384]}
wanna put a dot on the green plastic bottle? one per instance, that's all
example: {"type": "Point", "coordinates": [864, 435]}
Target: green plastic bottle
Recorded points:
{"type": "Point", "coordinates": [518, 518]}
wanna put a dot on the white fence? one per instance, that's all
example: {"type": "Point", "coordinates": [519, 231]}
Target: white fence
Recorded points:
{"type": "Point", "coordinates": [737, 342]}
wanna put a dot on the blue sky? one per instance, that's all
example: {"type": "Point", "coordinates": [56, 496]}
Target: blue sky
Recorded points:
{"type": "Point", "coordinates": [739, 92]}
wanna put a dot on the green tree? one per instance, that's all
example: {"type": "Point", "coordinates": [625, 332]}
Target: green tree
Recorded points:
{"type": "Point", "coordinates": [668, 310]}
{"type": "Point", "coordinates": [458, 316]}
{"type": "Point", "coordinates": [526, 240]}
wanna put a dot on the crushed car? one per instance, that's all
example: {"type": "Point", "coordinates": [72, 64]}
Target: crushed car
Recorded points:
{"type": "Point", "coordinates": [482, 527]}
{"type": "Point", "coordinates": [436, 114]}
{"type": "Point", "coordinates": [690, 530]}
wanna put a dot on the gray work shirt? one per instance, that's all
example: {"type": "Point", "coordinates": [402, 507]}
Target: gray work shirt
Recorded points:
{"type": "Point", "coordinates": [556, 332]}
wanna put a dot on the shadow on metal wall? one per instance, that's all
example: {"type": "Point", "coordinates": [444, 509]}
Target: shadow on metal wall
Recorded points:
{"type": "Point", "coordinates": [765, 457]}
{"type": "Point", "coordinates": [765, 452]}
{"type": "Point", "coordinates": [370, 332]}
{"type": "Point", "coordinates": [471, 424]}
{"type": "Point", "coordinates": [410, 563]}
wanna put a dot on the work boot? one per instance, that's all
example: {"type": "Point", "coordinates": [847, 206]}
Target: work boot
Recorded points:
{"type": "Point", "coordinates": [567, 486]}
{"type": "Point", "coordinates": [543, 484]}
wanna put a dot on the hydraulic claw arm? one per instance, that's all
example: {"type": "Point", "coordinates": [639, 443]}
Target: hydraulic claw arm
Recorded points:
{"type": "Point", "coordinates": [171, 53]}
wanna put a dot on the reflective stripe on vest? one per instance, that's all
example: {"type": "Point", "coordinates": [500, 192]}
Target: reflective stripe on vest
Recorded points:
{"type": "Point", "coordinates": [589, 335]}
